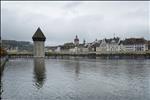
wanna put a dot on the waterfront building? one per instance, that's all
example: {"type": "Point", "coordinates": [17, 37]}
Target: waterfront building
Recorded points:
{"type": "Point", "coordinates": [67, 46]}
{"type": "Point", "coordinates": [109, 45]}
{"type": "Point", "coordinates": [58, 49]}
{"type": "Point", "coordinates": [112, 45]}
{"type": "Point", "coordinates": [74, 48]}
{"type": "Point", "coordinates": [71, 47]}
{"type": "Point", "coordinates": [50, 48]}
{"type": "Point", "coordinates": [135, 44]}
{"type": "Point", "coordinates": [80, 49]}
{"type": "Point", "coordinates": [39, 39]}
{"type": "Point", "coordinates": [94, 45]}
{"type": "Point", "coordinates": [102, 47]}
{"type": "Point", "coordinates": [12, 49]}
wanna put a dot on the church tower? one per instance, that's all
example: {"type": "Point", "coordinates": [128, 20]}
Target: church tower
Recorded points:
{"type": "Point", "coordinates": [76, 41]}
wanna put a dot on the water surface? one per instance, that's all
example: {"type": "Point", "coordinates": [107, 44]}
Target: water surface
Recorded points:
{"type": "Point", "coordinates": [78, 79]}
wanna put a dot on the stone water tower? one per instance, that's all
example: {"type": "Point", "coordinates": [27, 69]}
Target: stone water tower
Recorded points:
{"type": "Point", "coordinates": [39, 39]}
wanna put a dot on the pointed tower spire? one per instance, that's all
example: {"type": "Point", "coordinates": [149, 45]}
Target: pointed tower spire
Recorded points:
{"type": "Point", "coordinates": [84, 41]}
{"type": "Point", "coordinates": [114, 35]}
{"type": "Point", "coordinates": [38, 35]}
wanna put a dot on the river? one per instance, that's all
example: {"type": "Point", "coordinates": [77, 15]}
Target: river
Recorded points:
{"type": "Point", "coordinates": [76, 79]}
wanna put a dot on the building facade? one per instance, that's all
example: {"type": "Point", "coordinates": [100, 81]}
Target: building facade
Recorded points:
{"type": "Point", "coordinates": [135, 45]}
{"type": "Point", "coordinates": [112, 45]}
{"type": "Point", "coordinates": [109, 45]}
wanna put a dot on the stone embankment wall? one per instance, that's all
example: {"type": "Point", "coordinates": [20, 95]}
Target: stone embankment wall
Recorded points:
{"type": "Point", "coordinates": [2, 62]}
{"type": "Point", "coordinates": [87, 55]}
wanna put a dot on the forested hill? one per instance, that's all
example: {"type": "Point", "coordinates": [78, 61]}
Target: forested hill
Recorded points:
{"type": "Point", "coordinates": [21, 45]}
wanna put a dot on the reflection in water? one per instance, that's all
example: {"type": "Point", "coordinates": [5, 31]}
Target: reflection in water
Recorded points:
{"type": "Point", "coordinates": [77, 69]}
{"type": "Point", "coordinates": [139, 71]}
{"type": "Point", "coordinates": [1, 84]}
{"type": "Point", "coordinates": [39, 72]}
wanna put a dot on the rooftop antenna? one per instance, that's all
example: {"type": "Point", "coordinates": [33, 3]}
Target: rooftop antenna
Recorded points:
{"type": "Point", "coordinates": [114, 34]}
{"type": "Point", "coordinates": [84, 41]}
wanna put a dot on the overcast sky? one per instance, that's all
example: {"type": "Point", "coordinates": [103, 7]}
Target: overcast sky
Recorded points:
{"type": "Point", "coordinates": [60, 21]}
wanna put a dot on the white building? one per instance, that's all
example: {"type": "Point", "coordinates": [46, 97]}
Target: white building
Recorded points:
{"type": "Point", "coordinates": [58, 49]}
{"type": "Point", "coordinates": [109, 45]}
{"type": "Point", "coordinates": [135, 44]}
{"type": "Point", "coordinates": [76, 47]}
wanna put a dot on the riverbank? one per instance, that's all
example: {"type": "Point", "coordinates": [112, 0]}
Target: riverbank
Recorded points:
{"type": "Point", "coordinates": [3, 62]}
{"type": "Point", "coordinates": [144, 55]}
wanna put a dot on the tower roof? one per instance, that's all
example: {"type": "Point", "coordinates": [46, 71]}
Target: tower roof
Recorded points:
{"type": "Point", "coordinates": [76, 39]}
{"type": "Point", "coordinates": [38, 35]}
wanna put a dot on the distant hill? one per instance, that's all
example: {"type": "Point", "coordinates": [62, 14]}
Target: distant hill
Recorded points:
{"type": "Point", "coordinates": [20, 45]}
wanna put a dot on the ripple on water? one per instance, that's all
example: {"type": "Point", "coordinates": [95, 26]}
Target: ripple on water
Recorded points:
{"type": "Point", "coordinates": [78, 79]}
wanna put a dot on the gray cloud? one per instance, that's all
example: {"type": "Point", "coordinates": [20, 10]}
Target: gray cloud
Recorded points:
{"type": "Point", "coordinates": [70, 5]}
{"type": "Point", "coordinates": [61, 21]}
